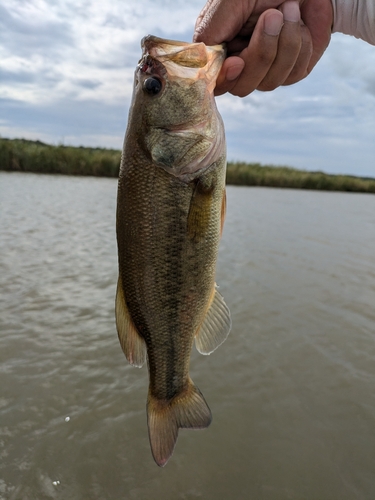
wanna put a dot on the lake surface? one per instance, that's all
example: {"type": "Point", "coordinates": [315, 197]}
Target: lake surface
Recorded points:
{"type": "Point", "coordinates": [292, 390]}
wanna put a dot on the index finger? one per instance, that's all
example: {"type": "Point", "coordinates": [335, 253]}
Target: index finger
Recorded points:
{"type": "Point", "coordinates": [258, 56]}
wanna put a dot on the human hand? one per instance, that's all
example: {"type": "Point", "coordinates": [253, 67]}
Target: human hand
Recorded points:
{"type": "Point", "coordinates": [269, 42]}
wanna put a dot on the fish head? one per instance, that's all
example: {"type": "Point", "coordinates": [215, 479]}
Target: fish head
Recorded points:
{"type": "Point", "coordinates": [174, 104]}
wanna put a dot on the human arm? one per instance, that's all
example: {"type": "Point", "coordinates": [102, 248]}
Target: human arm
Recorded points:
{"type": "Point", "coordinates": [355, 17]}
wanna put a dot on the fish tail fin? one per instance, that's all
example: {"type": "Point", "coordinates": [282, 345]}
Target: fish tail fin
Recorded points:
{"type": "Point", "coordinates": [186, 410]}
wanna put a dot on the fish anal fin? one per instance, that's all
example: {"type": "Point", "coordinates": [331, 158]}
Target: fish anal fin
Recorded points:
{"type": "Point", "coordinates": [132, 343]}
{"type": "Point", "coordinates": [186, 410]}
{"type": "Point", "coordinates": [215, 327]}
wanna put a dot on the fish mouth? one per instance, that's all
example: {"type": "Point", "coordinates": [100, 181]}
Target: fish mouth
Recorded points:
{"type": "Point", "coordinates": [181, 60]}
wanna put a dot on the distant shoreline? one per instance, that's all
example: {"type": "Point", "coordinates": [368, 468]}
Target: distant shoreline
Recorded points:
{"type": "Point", "coordinates": [21, 155]}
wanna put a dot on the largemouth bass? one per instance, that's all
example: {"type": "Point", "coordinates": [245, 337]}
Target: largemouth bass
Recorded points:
{"type": "Point", "coordinates": [170, 214]}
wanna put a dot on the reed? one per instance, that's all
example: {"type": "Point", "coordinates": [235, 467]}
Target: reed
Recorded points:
{"type": "Point", "coordinates": [245, 174]}
{"type": "Point", "coordinates": [35, 156]}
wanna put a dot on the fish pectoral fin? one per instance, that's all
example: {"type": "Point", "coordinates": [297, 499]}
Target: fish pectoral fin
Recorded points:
{"type": "Point", "coordinates": [215, 327]}
{"type": "Point", "coordinates": [132, 343]}
{"type": "Point", "coordinates": [186, 410]}
{"type": "Point", "coordinates": [223, 211]}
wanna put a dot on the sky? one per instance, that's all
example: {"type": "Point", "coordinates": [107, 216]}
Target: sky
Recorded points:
{"type": "Point", "coordinates": [66, 77]}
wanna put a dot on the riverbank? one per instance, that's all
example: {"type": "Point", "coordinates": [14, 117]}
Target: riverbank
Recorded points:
{"type": "Point", "coordinates": [35, 156]}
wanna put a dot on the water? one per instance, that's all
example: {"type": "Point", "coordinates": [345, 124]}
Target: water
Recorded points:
{"type": "Point", "coordinates": [292, 390]}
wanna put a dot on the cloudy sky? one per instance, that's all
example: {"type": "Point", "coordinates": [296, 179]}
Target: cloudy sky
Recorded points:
{"type": "Point", "coordinates": [66, 72]}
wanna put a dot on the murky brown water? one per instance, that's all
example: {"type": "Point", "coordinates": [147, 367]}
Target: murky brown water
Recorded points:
{"type": "Point", "coordinates": [292, 390]}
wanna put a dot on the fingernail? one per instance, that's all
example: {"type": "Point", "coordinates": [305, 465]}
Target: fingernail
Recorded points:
{"type": "Point", "coordinates": [233, 73]}
{"type": "Point", "coordinates": [291, 12]}
{"type": "Point", "coordinates": [273, 23]}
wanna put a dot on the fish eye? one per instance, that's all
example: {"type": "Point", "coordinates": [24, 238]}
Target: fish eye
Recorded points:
{"type": "Point", "coordinates": [152, 85]}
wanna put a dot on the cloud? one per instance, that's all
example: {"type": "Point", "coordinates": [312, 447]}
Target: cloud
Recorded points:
{"type": "Point", "coordinates": [326, 122]}
{"type": "Point", "coordinates": [68, 121]}
{"type": "Point", "coordinates": [27, 27]}
{"type": "Point", "coordinates": [85, 49]}
{"type": "Point", "coordinates": [66, 73]}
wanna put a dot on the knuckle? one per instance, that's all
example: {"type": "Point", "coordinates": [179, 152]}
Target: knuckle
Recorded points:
{"type": "Point", "coordinates": [241, 92]}
{"type": "Point", "coordinates": [266, 58]}
{"type": "Point", "coordinates": [297, 74]}
{"type": "Point", "coordinates": [290, 46]}
{"type": "Point", "coordinates": [267, 86]}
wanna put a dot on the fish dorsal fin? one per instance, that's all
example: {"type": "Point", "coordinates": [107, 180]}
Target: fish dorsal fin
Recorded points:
{"type": "Point", "coordinates": [215, 327]}
{"type": "Point", "coordinates": [132, 343]}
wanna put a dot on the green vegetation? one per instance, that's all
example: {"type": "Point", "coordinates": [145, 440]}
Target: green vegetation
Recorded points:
{"type": "Point", "coordinates": [35, 156]}
{"type": "Point", "coordinates": [244, 174]}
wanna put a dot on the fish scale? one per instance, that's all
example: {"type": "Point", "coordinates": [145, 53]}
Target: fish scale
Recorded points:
{"type": "Point", "coordinates": [170, 210]}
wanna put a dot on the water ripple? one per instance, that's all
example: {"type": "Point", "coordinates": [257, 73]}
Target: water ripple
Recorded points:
{"type": "Point", "coordinates": [292, 389]}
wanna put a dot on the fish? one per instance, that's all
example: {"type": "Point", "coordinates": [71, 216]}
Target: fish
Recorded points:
{"type": "Point", "coordinates": [171, 206]}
